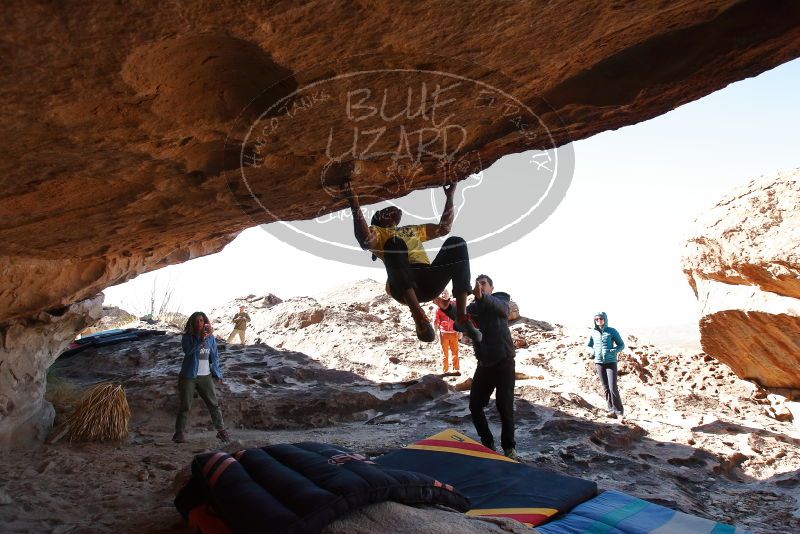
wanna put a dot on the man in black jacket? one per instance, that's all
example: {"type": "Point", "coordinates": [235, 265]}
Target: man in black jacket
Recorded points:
{"type": "Point", "coordinates": [495, 353]}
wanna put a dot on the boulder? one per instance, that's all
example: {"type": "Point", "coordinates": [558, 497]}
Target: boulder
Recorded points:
{"type": "Point", "coordinates": [743, 263]}
{"type": "Point", "coordinates": [140, 126]}
{"type": "Point", "coordinates": [27, 349]}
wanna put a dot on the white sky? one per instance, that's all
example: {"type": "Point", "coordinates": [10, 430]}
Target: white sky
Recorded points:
{"type": "Point", "coordinates": [614, 243]}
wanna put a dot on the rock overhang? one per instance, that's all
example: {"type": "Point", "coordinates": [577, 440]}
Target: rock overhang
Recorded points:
{"type": "Point", "coordinates": [126, 126]}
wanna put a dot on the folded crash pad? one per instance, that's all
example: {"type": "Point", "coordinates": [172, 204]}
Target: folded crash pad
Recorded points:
{"type": "Point", "coordinates": [613, 512]}
{"type": "Point", "coordinates": [296, 488]}
{"type": "Point", "coordinates": [108, 337]}
{"type": "Point", "coordinates": [495, 485]}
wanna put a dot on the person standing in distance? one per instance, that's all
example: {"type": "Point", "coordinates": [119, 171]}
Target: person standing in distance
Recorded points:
{"type": "Point", "coordinates": [199, 370]}
{"type": "Point", "coordinates": [606, 343]}
{"type": "Point", "coordinates": [240, 322]}
{"type": "Point", "coordinates": [447, 334]}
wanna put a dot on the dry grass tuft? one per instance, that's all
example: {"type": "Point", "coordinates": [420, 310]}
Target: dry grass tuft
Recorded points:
{"type": "Point", "coordinates": [62, 393]}
{"type": "Point", "coordinates": [102, 415]}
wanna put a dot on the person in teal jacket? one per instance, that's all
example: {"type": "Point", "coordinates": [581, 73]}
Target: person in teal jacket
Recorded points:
{"type": "Point", "coordinates": [199, 370]}
{"type": "Point", "coordinates": [606, 343]}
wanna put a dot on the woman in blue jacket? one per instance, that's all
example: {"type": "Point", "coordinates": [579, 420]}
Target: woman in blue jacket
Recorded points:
{"type": "Point", "coordinates": [199, 369]}
{"type": "Point", "coordinates": [606, 344]}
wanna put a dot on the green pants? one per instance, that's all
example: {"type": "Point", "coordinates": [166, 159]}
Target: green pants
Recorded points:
{"type": "Point", "coordinates": [205, 388]}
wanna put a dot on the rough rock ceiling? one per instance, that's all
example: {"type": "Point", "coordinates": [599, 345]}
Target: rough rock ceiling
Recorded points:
{"type": "Point", "coordinates": [116, 116]}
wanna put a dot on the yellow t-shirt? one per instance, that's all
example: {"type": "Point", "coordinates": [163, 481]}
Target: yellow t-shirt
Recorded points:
{"type": "Point", "coordinates": [413, 236]}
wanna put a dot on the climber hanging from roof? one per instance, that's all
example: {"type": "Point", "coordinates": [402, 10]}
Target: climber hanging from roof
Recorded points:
{"type": "Point", "coordinates": [412, 277]}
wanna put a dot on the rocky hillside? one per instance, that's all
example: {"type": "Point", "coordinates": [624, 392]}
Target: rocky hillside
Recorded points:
{"type": "Point", "coordinates": [349, 371]}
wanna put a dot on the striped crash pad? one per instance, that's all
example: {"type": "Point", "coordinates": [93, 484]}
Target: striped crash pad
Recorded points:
{"type": "Point", "coordinates": [613, 512]}
{"type": "Point", "coordinates": [495, 485]}
{"type": "Point", "coordinates": [296, 489]}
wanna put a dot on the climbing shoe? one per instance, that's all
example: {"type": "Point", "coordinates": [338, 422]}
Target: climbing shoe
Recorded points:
{"type": "Point", "coordinates": [425, 332]}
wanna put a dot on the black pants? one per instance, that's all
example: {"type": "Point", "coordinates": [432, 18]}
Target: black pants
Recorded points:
{"type": "Point", "coordinates": [608, 376]}
{"type": "Point", "coordinates": [486, 380]}
{"type": "Point", "coordinates": [428, 281]}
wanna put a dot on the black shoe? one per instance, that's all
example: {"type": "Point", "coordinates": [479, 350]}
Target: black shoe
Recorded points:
{"type": "Point", "coordinates": [426, 333]}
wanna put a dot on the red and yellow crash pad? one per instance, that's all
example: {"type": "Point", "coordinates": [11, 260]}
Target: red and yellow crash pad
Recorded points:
{"type": "Point", "coordinates": [495, 485]}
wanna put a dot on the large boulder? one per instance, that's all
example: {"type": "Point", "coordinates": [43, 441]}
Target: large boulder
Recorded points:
{"type": "Point", "coordinates": [27, 348]}
{"type": "Point", "coordinates": [116, 116]}
{"type": "Point", "coordinates": [743, 262]}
